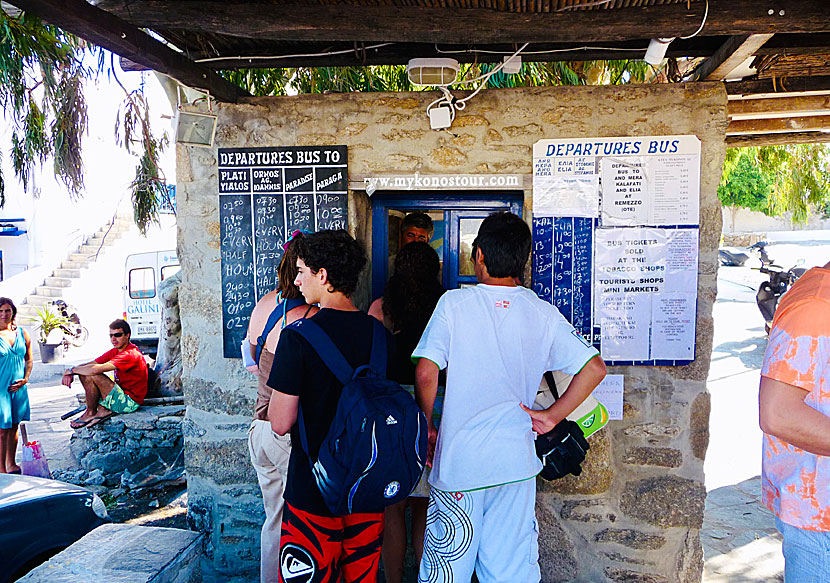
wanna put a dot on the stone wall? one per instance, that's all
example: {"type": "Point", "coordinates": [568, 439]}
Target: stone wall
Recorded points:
{"type": "Point", "coordinates": [128, 452]}
{"type": "Point", "coordinates": [635, 512]}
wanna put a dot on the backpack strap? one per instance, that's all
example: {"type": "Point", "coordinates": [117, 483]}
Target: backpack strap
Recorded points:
{"type": "Point", "coordinates": [378, 357]}
{"type": "Point", "coordinates": [330, 355]}
{"type": "Point", "coordinates": [279, 311]}
{"type": "Point", "coordinates": [551, 385]}
{"type": "Point", "coordinates": [326, 349]}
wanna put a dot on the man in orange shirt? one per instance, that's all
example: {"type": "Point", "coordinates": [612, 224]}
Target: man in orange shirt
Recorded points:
{"type": "Point", "coordinates": [795, 417]}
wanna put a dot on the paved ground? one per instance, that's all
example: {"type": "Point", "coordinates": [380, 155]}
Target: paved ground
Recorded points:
{"type": "Point", "coordinates": [50, 400]}
{"type": "Point", "coordinates": [740, 542]}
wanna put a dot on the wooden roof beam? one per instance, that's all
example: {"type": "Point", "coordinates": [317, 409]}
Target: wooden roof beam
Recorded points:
{"type": "Point", "coordinates": [777, 139]}
{"type": "Point", "coordinates": [110, 32]}
{"type": "Point", "coordinates": [305, 21]}
{"type": "Point", "coordinates": [729, 56]}
{"type": "Point", "coordinates": [776, 107]}
{"type": "Point", "coordinates": [778, 126]}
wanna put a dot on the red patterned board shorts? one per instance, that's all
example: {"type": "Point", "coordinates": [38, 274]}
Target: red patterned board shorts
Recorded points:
{"type": "Point", "coordinates": [322, 549]}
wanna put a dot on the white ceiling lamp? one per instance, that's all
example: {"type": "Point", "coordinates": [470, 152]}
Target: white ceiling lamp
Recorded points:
{"type": "Point", "coordinates": [441, 73]}
{"type": "Point", "coordinates": [432, 72]}
{"type": "Point", "coordinates": [194, 128]}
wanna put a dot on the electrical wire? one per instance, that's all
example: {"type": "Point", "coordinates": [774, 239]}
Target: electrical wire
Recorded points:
{"type": "Point", "coordinates": [705, 14]}
{"type": "Point", "coordinates": [573, 49]}
{"type": "Point", "coordinates": [261, 57]}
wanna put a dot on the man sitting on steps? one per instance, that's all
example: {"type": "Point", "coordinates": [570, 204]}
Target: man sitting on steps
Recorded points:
{"type": "Point", "coordinates": [105, 398]}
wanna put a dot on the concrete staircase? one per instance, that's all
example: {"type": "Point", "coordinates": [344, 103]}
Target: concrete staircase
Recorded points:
{"type": "Point", "coordinates": [70, 270]}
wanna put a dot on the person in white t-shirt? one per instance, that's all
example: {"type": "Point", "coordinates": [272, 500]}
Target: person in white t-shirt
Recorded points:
{"type": "Point", "coordinates": [495, 341]}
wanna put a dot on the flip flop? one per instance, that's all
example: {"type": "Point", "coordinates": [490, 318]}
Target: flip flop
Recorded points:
{"type": "Point", "coordinates": [78, 424]}
{"type": "Point", "coordinates": [96, 420]}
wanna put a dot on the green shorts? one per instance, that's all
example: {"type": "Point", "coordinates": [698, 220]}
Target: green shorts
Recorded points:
{"type": "Point", "coordinates": [118, 401]}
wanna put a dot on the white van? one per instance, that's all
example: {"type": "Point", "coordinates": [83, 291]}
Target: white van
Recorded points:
{"type": "Point", "coordinates": [142, 311]}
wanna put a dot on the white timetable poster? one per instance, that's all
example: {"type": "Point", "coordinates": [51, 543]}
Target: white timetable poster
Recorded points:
{"type": "Point", "coordinates": [616, 230]}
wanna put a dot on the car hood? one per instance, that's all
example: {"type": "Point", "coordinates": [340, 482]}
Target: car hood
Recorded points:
{"type": "Point", "coordinates": [16, 489]}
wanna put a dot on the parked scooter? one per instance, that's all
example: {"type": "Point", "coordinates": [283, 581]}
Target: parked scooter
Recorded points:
{"type": "Point", "coordinates": [729, 258]}
{"type": "Point", "coordinates": [780, 280]}
{"type": "Point", "coordinates": [73, 332]}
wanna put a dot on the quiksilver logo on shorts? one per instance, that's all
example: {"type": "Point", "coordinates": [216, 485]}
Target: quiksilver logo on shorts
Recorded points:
{"type": "Point", "coordinates": [296, 564]}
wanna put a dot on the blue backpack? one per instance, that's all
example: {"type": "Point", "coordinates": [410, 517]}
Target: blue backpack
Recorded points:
{"type": "Point", "coordinates": [375, 450]}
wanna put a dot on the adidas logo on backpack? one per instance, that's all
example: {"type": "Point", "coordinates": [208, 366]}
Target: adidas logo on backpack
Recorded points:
{"type": "Point", "coordinates": [375, 450]}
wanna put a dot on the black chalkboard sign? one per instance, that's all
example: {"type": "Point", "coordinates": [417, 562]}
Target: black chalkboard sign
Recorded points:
{"type": "Point", "coordinates": [265, 194]}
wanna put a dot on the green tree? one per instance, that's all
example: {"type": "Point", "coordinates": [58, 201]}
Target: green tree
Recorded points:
{"type": "Point", "coordinates": [798, 176]}
{"type": "Point", "coordinates": [42, 76]}
{"type": "Point", "coordinates": [744, 186]}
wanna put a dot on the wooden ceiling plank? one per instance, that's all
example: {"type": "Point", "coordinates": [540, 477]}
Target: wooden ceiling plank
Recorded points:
{"type": "Point", "coordinates": [778, 126]}
{"type": "Point", "coordinates": [777, 139]}
{"type": "Point", "coordinates": [384, 23]}
{"type": "Point", "coordinates": [796, 44]}
{"type": "Point", "coordinates": [776, 86]}
{"type": "Point", "coordinates": [110, 32]}
{"type": "Point", "coordinates": [779, 107]}
{"type": "Point", "coordinates": [729, 56]}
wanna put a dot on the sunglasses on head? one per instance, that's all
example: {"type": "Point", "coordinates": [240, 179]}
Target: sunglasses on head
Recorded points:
{"type": "Point", "coordinates": [116, 334]}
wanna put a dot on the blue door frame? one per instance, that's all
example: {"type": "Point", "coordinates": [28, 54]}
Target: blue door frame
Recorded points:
{"type": "Point", "coordinates": [455, 206]}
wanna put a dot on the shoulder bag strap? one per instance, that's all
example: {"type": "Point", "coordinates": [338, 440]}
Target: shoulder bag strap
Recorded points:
{"type": "Point", "coordinates": [551, 385]}
{"type": "Point", "coordinates": [273, 318]}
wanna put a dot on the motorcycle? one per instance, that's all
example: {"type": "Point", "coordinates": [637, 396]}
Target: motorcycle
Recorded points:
{"type": "Point", "coordinates": [73, 332]}
{"type": "Point", "coordinates": [780, 280]}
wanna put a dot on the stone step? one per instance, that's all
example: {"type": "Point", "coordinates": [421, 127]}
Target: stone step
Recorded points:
{"type": "Point", "coordinates": [144, 554]}
{"type": "Point", "coordinates": [97, 240]}
{"type": "Point", "coordinates": [81, 258]}
{"type": "Point", "coordinates": [67, 270]}
{"type": "Point", "coordinates": [75, 265]}
{"type": "Point", "coordinates": [91, 250]}
{"type": "Point", "coordinates": [38, 300]}
{"type": "Point", "coordinates": [62, 281]}
{"type": "Point", "coordinates": [25, 312]}
{"type": "Point", "coordinates": [47, 290]}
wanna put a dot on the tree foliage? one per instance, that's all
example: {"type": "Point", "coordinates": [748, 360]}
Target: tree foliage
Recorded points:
{"type": "Point", "coordinates": [41, 73]}
{"type": "Point", "coordinates": [42, 76]}
{"type": "Point", "coordinates": [745, 186]}
{"type": "Point", "coordinates": [264, 82]}
{"type": "Point", "coordinates": [798, 176]}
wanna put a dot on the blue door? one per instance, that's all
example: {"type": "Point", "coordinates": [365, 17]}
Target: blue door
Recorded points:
{"type": "Point", "coordinates": [456, 218]}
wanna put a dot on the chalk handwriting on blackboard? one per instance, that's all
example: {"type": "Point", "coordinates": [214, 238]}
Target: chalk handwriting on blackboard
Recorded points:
{"type": "Point", "coordinates": [265, 194]}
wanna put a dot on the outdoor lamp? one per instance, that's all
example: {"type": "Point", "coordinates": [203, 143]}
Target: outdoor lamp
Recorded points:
{"type": "Point", "coordinates": [194, 128]}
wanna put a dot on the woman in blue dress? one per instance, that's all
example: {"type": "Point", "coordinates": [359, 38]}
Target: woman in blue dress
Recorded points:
{"type": "Point", "coordinates": [15, 367]}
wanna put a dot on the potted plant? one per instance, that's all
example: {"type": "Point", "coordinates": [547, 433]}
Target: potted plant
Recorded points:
{"type": "Point", "coordinates": [46, 321]}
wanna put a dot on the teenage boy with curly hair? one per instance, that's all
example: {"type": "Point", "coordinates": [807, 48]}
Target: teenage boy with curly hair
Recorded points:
{"type": "Point", "coordinates": [315, 545]}
{"type": "Point", "coordinates": [495, 341]}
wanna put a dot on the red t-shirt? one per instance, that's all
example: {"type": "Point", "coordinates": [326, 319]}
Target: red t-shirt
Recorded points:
{"type": "Point", "coordinates": [130, 370]}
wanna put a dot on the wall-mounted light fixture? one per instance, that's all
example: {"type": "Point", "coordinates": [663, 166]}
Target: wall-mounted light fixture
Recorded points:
{"type": "Point", "coordinates": [194, 128]}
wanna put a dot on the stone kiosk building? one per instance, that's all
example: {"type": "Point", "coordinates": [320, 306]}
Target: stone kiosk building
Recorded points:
{"type": "Point", "coordinates": [635, 512]}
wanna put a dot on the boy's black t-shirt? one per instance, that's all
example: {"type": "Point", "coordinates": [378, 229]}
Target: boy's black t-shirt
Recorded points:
{"type": "Point", "coordinates": [299, 371]}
